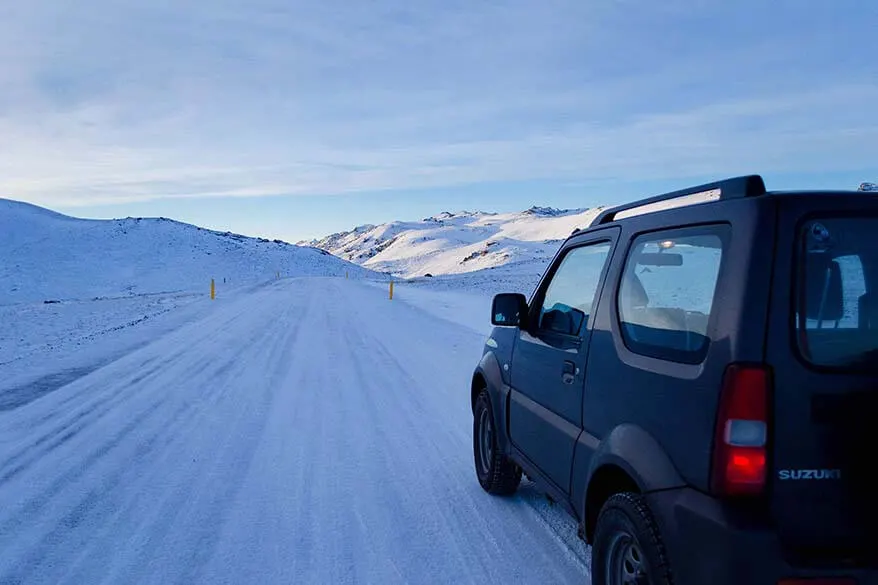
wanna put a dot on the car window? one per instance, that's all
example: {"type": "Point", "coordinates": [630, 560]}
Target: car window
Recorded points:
{"type": "Point", "coordinates": [566, 305]}
{"type": "Point", "coordinates": [667, 290]}
{"type": "Point", "coordinates": [836, 317]}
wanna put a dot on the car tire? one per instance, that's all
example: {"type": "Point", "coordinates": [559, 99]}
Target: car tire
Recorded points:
{"type": "Point", "coordinates": [628, 548]}
{"type": "Point", "coordinates": [497, 474]}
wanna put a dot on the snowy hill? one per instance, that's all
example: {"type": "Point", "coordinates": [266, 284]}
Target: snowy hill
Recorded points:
{"type": "Point", "coordinates": [45, 255]}
{"type": "Point", "coordinates": [456, 243]}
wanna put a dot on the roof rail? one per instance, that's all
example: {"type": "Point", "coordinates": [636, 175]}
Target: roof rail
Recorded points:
{"type": "Point", "coordinates": [734, 188]}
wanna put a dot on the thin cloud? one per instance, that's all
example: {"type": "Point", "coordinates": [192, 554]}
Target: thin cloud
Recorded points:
{"type": "Point", "coordinates": [150, 100]}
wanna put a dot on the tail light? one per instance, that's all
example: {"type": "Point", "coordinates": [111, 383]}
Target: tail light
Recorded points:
{"type": "Point", "coordinates": [740, 448]}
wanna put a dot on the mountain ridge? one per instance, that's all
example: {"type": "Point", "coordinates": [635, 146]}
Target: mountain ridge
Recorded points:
{"type": "Point", "coordinates": [457, 242]}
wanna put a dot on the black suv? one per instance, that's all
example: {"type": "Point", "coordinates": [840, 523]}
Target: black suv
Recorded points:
{"type": "Point", "coordinates": [695, 379]}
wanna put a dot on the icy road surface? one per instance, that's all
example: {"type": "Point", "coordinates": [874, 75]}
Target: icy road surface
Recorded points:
{"type": "Point", "coordinates": [310, 432]}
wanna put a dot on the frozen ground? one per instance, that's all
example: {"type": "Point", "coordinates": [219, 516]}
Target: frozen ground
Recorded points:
{"type": "Point", "coordinates": [306, 430]}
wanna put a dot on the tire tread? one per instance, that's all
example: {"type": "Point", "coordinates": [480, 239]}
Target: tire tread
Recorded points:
{"type": "Point", "coordinates": [505, 474]}
{"type": "Point", "coordinates": [635, 509]}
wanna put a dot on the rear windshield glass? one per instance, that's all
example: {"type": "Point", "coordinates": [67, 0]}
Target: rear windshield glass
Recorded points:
{"type": "Point", "coordinates": [837, 292]}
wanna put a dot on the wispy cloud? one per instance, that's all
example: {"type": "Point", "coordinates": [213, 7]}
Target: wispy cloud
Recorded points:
{"type": "Point", "coordinates": [159, 99]}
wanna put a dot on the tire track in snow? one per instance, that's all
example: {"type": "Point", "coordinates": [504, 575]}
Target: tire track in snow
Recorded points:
{"type": "Point", "coordinates": [312, 432]}
{"type": "Point", "coordinates": [195, 506]}
{"type": "Point", "coordinates": [81, 404]}
{"type": "Point", "coordinates": [112, 480]}
{"type": "Point", "coordinates": [203, 521]}
{"type": "Point", "coordinates": [89, 414]}
{"type": "Point", "coordinates": [554, 520]}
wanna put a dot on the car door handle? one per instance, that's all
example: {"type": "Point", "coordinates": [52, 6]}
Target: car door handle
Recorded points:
{"type": "Point", "coordinates": [568, 372]}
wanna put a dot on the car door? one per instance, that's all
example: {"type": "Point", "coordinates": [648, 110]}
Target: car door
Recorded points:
{"type": "Point", "coordinates": [548, 366]}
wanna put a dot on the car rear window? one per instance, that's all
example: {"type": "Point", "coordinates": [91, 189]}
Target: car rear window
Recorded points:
{"type": "Point", "coordinates": [837, 293]}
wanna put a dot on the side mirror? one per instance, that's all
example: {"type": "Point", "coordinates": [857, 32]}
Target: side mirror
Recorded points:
{"type": "Point", "coordinates": [509, 310]}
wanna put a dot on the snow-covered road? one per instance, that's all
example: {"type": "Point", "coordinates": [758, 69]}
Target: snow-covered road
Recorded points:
{"type": "Point", "coordinates": [309, 432]}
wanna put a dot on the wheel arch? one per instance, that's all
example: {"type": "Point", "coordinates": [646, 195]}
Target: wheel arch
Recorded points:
{"type": "Point", "coordinates": [488, 376]}
{"type": "Point", "coordinates": [629, 459]}
{"type": "Point", "coordinates": [478, 384]}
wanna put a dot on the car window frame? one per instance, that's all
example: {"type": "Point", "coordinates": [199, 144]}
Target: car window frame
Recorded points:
{"type": "Point", "coordinates": [721, 229]}
{"type": "Point", "coordinates": [609, 237]}
{"type": "Point", "coordinates": [797, 273]}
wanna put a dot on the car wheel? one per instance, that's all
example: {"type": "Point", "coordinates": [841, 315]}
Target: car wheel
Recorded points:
{"type": "Point", "coordinates": [628, 549]}
{"type": "Point", "coordinates": [497, 473]}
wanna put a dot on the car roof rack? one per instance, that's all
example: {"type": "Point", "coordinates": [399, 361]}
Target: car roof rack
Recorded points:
{"type": "Point", "coordinates": [734, 188]}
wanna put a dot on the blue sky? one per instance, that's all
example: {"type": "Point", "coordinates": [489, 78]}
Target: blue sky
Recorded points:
{"type": "Point", "coordinates": [295, 119]}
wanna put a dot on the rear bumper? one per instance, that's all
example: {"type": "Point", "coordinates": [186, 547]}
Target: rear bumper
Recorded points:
{"type": "Point", "coordinates": [706, 544]}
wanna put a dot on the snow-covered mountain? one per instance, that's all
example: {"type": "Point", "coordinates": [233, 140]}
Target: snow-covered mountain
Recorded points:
{"type": "Point", "coordinates": [47, 256]}
{"type": "Point", "coordinates": [462, 242]}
